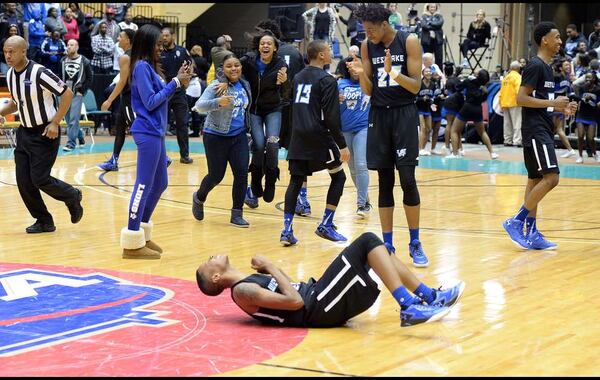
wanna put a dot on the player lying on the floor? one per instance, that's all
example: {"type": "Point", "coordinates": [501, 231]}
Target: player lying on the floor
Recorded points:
{"type": "Point", "coordinates": [344, 291]}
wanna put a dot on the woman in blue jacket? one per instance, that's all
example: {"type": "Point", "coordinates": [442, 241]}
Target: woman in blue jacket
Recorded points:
{"type": "Point", "coordinates": [149, 100]}
{"type": "Point", "coordinates": [225, 138]}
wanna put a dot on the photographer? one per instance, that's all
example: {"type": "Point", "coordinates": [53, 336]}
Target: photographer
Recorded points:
{"type": "Point", "coordinates": [413, 24]}
{"type": "Point", "coordinates": [432, 35]}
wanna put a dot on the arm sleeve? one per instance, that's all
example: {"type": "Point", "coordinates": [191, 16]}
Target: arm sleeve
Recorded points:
{"type": "Point", "coordinates": [207, 101]}
{"type": "Point", "coordinates": [89, 77]}
{"type": "Point", "coordinates": [142, 76]}
{"type": "Point", "coordinates": [437, 21]}
{"type": "Point", "coordinates": [49, 81]}
{"type": "Point", "coordinates": [331, 109]}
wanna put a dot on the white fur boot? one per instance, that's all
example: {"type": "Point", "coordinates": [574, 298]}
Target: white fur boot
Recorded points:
{"type": "Point", "coordinates": [134, 245]}
{"type": "Point", "coordinates": [147, 227]}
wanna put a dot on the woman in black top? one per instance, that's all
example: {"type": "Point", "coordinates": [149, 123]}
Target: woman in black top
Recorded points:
{"type": "Point", "coordinates": [424, 102]}
{"type": "Point", "coordinates": [475, 94]}
{"type": "Point", "coordinates": [587, 114]}
{"type": "Point", "coordinates": [479, 31]}
{"type": "Point", "coordinates": [432, 35]}
{"type": "Point", "coordinates": [267, 74]}
{"type": "Point", "coordinates": [453, 102]}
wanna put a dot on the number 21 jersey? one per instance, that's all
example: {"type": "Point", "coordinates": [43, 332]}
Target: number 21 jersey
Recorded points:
{"type": "Point", "coordinates": [386, 91]}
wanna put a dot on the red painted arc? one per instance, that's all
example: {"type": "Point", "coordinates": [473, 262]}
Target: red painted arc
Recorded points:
{"type": "Point", "coordinates": [72, 312]}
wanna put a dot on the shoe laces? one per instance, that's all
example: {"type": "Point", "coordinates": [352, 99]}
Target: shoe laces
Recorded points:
{"type": "Point", "coordinates": [418, 250]}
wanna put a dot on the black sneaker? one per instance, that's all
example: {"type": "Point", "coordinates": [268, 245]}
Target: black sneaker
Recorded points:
{"type": "Point", "coordinates": [186, 160]}
{"type": "Point", "coordinates": [75, 207]}
{"type": "Point", "coordinates": [39, 227]}
{"type": "Point", "coordinates": [197, 207]}
{"type": "Point", "coordinates": [363, 210]}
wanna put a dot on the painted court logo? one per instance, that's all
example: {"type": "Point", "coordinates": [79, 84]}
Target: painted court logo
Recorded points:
{"type": "Point", "coordinates": [59, 321]}
{"type": "Point", "coordinates": [41, 308]}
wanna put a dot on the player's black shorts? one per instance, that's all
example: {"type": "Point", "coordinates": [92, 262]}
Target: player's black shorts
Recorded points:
{"type": "Point", "coordinates": [308, 167]}
{"type": "Point", "coordinates": [454, 103]}
{"type": "Point", "coordinates": [125, 113]}
{"type": "Point", "coordinates": [540, 157]}
{"type": "Point", "coordinates": [393, 137]}
{"type": "Point", "coordinates": [345, 289]}
{"type": "Point", "coordinates": [470, 112]}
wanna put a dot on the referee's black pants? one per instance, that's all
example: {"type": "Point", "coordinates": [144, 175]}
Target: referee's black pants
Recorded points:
{"type": "Point", "coordinates": [179, 104]}
{"type": "Point", "coordinates": [34, 157]}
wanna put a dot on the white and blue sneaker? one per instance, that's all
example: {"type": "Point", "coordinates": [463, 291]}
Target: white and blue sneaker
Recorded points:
{"type": "Point", "coordinates": [109, 166]}
{"type": "Point", "coordinates": [250, 200]}
{"type": "Point", "coordinates": [514, 228]}
{"type": "Point", "coordinates": [302, 206]}
{"type": "Point", "coordinates": [448, 297]}
{"type": "Point", "coordinates": [417, 313]}
{"type": "Point", "coordinates": [416, 252]}
{"type": "Point", "coordinates": [329, 233]}
{"type": "Point", "coordinates": [538, 241]}
{"type": "Point", "coordinates": [287, 238]}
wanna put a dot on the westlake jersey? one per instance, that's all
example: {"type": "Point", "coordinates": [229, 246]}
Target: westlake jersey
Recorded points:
{"type": "Point", "coordinates": [386, 91]}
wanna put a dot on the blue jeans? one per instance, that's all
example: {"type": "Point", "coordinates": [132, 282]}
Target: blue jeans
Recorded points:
{"type": "Point", "coordinates": [357, 144]}
{"type": "Point", "coordinates": [73, 116]}
{"type": "Point", "coordinates": [268, 140]}
{"type": "Point", "coordinates": [151, 178]}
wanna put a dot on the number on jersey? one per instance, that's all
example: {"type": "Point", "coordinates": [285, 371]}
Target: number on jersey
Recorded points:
{"type": "Point", "coordinates": [383, 78]}
{"type": "Point", "coordinates": [303, 93]}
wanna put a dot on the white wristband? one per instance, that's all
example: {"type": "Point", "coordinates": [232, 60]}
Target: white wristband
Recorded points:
{"type": "Point", "coordinates": [177, 82]}
{"type": "Point", "coordinates": [394, 74]}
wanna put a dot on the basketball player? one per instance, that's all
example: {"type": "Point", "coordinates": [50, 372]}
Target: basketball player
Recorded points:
{"type": "Point", "coordinates": [317, 141]}
{"type": "Point", "coordinates": [390, 72]}
{"type": "Point", "coordinates": [536, 96]}
{"type": "Point", "coordinates": [344, 291]}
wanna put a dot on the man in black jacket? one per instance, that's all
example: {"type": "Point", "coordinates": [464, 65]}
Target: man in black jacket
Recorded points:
{"type": "Point", "coordinates": [77, 74]}
{"type": "Point", "coordinates": [317, 142]}
{"type": "Point", "coordinates": [594, 38]}
{"type": "Point", "coordinates": [171, 59]}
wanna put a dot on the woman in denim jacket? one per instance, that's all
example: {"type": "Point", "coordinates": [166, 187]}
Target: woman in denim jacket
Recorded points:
{"type": "Point", "coordinates": [225, 138]}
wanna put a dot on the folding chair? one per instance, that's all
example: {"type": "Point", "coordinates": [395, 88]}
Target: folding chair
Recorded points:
{"type": "Point", "coordinates": [91, 110]}
{"type": "Point", "coordinates": [477, 56]}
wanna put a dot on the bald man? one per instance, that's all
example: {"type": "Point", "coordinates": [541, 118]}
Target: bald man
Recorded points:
{"type": "Point", "coordinates": [33, 89]}
{"type": "Point", "coordinates": [76, 71]}
{"type": "Point", "coordinates": [508, 101]}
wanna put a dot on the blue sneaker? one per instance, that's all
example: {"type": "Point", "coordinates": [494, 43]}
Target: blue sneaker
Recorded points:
{"type": "Point", "coordinates": [329, 233]}
{"type": "Point", "coordinates": [250, 200]}
{"type": "Point", "coordinates": [417, 313]}
{"type": "Point", "coordinates": [538, 241]}
{"type": "Point", "coordinates": [302, 206]}
{"type": "Point", "coordinates": [514, 228]}
{"type": "Point", "coordinates": [169, 161]}
{"type": "Point", "coordinates": [448, 297]}
{"type": "Point", "coordinates": [416, 252]}
{"type": "Point", "coordinates": [390, 248]}
{"type": "Point", "coordinates": [109, 166]}
{"type": "Point", "coordinates": [287, 238]}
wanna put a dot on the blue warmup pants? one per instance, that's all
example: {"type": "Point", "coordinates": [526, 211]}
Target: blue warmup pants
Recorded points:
{"type": "Point", "coordinates": [151, 178]}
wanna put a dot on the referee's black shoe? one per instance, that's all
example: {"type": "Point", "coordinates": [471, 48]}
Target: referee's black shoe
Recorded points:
{"type": "Point", "coordinates": [39, 227]}
{"type": "Point", "coordinates": [75, 207]}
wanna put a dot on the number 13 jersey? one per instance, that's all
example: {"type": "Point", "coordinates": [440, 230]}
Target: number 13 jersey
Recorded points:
{"type": "Point", "coordinates": [386, 92]}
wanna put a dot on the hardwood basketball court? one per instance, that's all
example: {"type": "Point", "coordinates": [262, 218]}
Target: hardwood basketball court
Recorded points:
{"type": "Point", "coordinates": [522, 313]}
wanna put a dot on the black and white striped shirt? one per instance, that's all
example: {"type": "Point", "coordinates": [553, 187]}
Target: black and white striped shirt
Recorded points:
{"type": "Point", "coordinates": [34, 91]}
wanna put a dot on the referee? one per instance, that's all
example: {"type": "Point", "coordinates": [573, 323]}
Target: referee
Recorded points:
{"type": "Point", "coordinates": [33, 89]}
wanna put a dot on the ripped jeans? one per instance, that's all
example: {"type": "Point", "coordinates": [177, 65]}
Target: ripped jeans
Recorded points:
{"type": "Point", "coordinates": [265, 139]}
